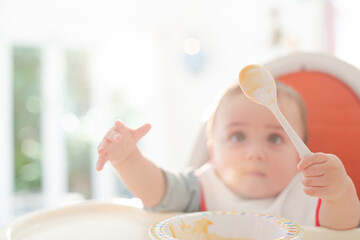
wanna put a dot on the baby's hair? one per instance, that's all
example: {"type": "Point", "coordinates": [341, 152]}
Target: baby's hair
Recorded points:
{"type": "Point", "coordinates": [282, 88]}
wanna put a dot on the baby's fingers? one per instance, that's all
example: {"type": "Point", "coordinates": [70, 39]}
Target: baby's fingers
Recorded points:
{"type": "Point", "coordinates": [112, 135]}
{"type": "Point", "coordinates": [101, 162]}
{"type": "Point", "coordinates": [103, 146]}
{"type": "Point", "coordinates": [316, 170]}
{"type": "Point", "coordinates": [314, 181]}
{"type": "Point", "coordinates": [310, 160]}
{"type": "Point", "coordinates": [315, 186]}
{"type": "Point", "coordinates": [319, 192]}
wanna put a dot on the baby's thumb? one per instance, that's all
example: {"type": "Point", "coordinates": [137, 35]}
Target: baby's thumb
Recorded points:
{"type": "Point", "coordinates": [141, 131]}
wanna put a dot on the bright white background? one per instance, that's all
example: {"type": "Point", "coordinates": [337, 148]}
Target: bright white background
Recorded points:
{"type": "Point", "coordinates": [141, 49]}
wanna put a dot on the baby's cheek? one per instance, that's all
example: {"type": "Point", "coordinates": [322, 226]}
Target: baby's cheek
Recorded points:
{"type": "Point", "coordinates": [283, 174]}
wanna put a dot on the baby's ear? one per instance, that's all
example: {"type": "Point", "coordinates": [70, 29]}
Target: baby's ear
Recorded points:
{"type": "Point", "coordinates": [210, 148]}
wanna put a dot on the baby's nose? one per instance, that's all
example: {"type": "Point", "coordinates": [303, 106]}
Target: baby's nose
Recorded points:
{"type": "Point", "coordinates": [256, 152]}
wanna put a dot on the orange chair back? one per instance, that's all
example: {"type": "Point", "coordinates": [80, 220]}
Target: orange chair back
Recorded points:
{"type": "Point", "coordinates": [333, 117]}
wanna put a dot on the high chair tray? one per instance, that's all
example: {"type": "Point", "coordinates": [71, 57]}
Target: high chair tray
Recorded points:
{"type": "Point", "coordinates": [89, 220]}
{"type": "Point", "coordinates": [110, 221]}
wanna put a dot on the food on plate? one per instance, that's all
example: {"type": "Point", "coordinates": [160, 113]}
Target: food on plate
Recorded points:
{"type": "Point", "coordinates": [200, 231]}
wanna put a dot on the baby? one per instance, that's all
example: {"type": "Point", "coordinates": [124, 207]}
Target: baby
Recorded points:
{"type": "Point", "coordinates": [253, 166]}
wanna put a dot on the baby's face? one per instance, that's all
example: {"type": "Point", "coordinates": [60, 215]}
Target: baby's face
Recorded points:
{"type": "Point", "coordinates": [251, 152]}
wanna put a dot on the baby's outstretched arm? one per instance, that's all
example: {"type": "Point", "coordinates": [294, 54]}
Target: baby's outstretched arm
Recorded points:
{"type": "Point", "coordinates": [142, 177]}
{"type": "Point", "coordinates": [325, 177]}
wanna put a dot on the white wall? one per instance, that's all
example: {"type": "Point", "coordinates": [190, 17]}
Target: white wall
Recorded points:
{"type": "Point", "coordinates": [347, 37]}
{"type": "Point", "coordinates": [151, 35]}
{"type": "Point", "coordinates": [233, 34]}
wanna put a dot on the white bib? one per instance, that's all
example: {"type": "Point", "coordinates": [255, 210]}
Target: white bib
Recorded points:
{"type": "Point", "coordinates": [291, 203]}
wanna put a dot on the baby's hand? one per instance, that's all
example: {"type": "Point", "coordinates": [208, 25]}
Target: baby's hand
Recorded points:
{"type": "Point", "coordinates": [119, 143]}
{"type": "Point", "coordinates": [324, 176]}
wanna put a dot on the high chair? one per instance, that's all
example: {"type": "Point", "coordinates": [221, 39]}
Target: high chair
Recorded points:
{"type": "Point", "coordinates": [330, 88]}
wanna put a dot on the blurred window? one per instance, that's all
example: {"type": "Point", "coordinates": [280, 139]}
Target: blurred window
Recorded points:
{"type": "Point", "coordinates": [27, 105]}
{"type": "Point", "coordinates": [77, 101]}
{"type": "Point", "coordinates": [77, 124]}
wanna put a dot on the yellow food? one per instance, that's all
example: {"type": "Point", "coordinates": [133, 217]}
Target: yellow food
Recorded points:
{"type": "Point", "coordinates": [199, 232]}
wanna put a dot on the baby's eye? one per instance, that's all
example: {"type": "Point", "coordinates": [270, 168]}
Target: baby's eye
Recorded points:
{"type": "Point", "coordinates": [237, 137]}
{"type": "Point", "coordinates": [275, 138]}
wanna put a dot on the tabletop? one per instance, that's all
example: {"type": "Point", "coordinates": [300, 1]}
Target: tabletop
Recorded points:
{"type": "Point", "coordinates": [111, 221]}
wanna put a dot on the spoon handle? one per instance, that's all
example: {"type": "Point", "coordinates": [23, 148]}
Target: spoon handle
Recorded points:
{"type": "Point", "coordinates": [300, 146]}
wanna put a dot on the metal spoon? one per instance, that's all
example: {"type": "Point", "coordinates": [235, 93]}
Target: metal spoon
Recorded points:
{"type": "Point", "coordinates": [258, 84]}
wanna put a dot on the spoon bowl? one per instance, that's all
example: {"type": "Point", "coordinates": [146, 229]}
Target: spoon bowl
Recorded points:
{"type": "Point", "coordinates": [258, 84]}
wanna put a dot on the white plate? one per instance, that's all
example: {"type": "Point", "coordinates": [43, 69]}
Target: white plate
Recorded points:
{"type": "Point", "coordinates": [229, 225]}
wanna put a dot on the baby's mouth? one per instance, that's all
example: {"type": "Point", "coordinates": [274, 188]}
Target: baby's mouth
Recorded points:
{"type": "Point", "coordinates": [255, 173]}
